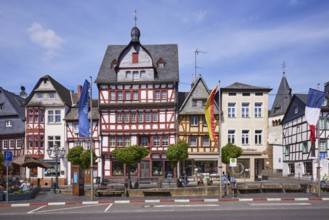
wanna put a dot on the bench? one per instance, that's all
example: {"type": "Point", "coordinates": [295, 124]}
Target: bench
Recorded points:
{"type": "Point", "coordinates": [112, 187]}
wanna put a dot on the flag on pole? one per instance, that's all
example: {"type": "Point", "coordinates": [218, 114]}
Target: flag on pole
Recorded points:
{"type": "Point", "coordinates": [83, 111]}
{"type": "Point", "coordinates": [209, 112]}
{"type": "Point", "coordinates": [314, 102]}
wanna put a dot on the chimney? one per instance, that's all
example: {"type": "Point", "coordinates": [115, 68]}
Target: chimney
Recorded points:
{"type": "Point", "coordinates": [79, 91]}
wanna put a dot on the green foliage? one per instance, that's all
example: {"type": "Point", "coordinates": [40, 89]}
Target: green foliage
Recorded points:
{"type": "Point", "coordinates": [230, 151]}
{"type": "Point", "coordinates": [78, 156]}
{"type": "Point", "coordinates": [178, 152]}
{"type": "Point", "coordinates": [130, 155]}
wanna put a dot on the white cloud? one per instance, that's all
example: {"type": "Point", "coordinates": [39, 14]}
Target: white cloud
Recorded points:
{"type": "Point", "coordinates": [46, 38]}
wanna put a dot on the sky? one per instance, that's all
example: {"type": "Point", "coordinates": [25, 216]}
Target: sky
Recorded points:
{"type": "Point", "coordinates": [245, 41]}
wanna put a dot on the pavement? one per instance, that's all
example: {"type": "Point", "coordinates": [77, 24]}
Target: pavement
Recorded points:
{"type": "Point", "coordinates": [48, 197]}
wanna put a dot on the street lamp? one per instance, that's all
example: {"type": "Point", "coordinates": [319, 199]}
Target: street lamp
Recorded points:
{"type": "Point", "coordinates": [56, 153]}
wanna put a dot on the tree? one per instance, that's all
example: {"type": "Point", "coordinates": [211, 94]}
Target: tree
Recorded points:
{"type": "Point", "coordinates": [178, 152]}
{"type": "Point", "coordinates": [78, 156]}
{"type": "Point", "coordinates": [130, 155]}
{"type": "Point", "coordinates": [230, 151]}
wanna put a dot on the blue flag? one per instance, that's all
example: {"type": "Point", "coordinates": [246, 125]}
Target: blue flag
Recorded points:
{"type": "Point", "coordinates": [83, 111]}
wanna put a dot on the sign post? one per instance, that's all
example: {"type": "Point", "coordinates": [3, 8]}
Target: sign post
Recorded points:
{"type": "Point", "coordinates": [8, 158]}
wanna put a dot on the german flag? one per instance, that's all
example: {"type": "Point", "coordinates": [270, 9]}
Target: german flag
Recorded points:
{"type": "Point", "coordinates": [209, 112]}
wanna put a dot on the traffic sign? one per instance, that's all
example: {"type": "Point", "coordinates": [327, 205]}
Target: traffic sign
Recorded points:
{"type": "Point", "coordinates": [8, 157]}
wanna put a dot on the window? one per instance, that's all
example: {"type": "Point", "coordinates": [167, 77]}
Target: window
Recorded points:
{"type": "Point", "coordinates": [42, 115]}
{"type": "Point", "coordinates": [304, 148]}
{"type": "Point", "coordinates": [164, 94]}
{"type": "Point", "coordinates": [135, 75]}
{"type": "Point", "coordinates": [258, 109]}
{"type": "Point", "coordinates": [156, 141]}
{"type": "Point", "coordinates": [194, 102]}
{"type": "Point", "coordinates": [156, 168]}
{"type": "Point", "coordinates": [18, 144]}
{"type": "Point", "coordinates": [147, 117]}
{"type": "Point", "coordinates": [117, 168]}
{"type": "Point", "coordinates": [127, 141]}
{"type": "Point", "coordinates": [258, 94]}
{"type": "Point", "coordinates": [154, 117]}
{"type": "Point", "coordinates": [58, 116]}
{"type": "Point", "coordinates": [143, 73]}
{"type": "Point", "coordinates": [140, 117]}
{"type": "Point", "coordinates": [39, 95]}
{"type": "Point", "coordinates": [245, 110]}
{"type": "Point", "coordinates": [245, 137]}
{"type": "Point", "coordinates": [50, 116]}
{"type": "Point", "coordinates": [112, 96]}
{"type": "Point", "coordinates": [77, 143]}
{"type": "Point", "coordinates": [126, 117]}
{"type": "Point", "coordinates": [193, 141]}
{"type": "Point", "coordinates": [9, 124]}
{"type": "Point", "coordinates": [135, 57]}
{"type": "Point", "coordinates": [157, 94]}
{"type": "Point", "coordinates": [135, 95]}
{"type": "Point", "coordinates": [246, 94]}
{"type": "Point", "coordinates": [165, 141]}
{"type": "Point", "coordinates": [231, 110]}
{"type": "Point", "coordinates": [1, 107]}
{"type": "Point", "coordinates": [296, 109]}
{"type": "Point", "coordinates": [204, 101]}
{"type": "Point", "coordinates": [194, 120]}
{"type": "Point", "coordinates": [112, 141]}
{"type": "Point", "coordinates": [204, 122]}
{"type": "Point", "coordinates": [119, 118]}
{"type": "Point", "coordinates": [128, 74]}
{"type": "Point", "coordinates": [307, 168]}
{"type": "Point", "coordinates": [133, 117]}
{"type": "Point", "coordinates": [53, 141]}
{"type": "Point", "coordinates": [12, 144]}
{"type": "Point", "coordinates": [323, 146]}
{"type": "Point", "coordinates": [205, 141]}
{"type": "Point", "coordinates": [119, 142]}
{"type": "Point", "coordinates": [231, 94]}
{"type": "Point", "coordinates": [120, 97]}
{"type": "Point", "coordinates": [258, 136]}
{"type": "Point", "coordinates": [5, 144]}
{"type": "Point", "coordinates": [51, 95]}
{"type": "Point", "coordinates": [231, 136]}
{"type": "Point", "coordinates": [287, 150]}
{"type": "Point", "coordinates": [127, 95]}
{"type": "Point", "coordinates": [144, 141]}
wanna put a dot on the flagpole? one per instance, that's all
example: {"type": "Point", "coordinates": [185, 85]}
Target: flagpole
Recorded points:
{"type": "Point", "coordinates": [91, 144]}
{"type": "Point", "coordinates": [219, 144]}
{"type": "Point", "coordinates": [318, 171]}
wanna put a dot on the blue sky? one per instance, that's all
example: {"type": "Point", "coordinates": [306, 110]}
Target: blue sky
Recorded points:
{"type": "Point", "coordinates": [244, 41]}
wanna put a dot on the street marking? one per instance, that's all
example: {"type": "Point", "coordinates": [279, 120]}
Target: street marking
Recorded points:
{"type": "Point", "coordinates": [301, 199]}
{"type": "Point", "coordinates": [69, 208]}
{"type": "Point", "coordinates": [171, 206]}
{"type": "Point", "coordinates": [325, 199]}
{"type": "Point", "coordinates": [279, 204]}
{"type": "Point", "coordinates": [36, 209]}
{"type": "Point", "coordinates": [89, 202]}
{"type": "Point", "coordinates": [152, 201]}
{"type": "Point", "coordinates": [182, 200]}
{"type": "Point", "coordinates": [56, 203]}
{"type": "Point", "coordinates": [273, 199]}
{"type": "Point", "coordinates": [108, 207]}
{"type": "Point", "coordinates": [122, 201]}
{"type": "Point", "coordinates": [20, 205]}
{"type": "Point", "coordinates": [210, 200]}
{"type": "Point", "coordinates": [246, 200]}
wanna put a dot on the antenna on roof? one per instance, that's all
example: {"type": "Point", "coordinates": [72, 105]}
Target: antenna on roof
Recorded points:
{"type": "Point", "coordinates": [196, 52]}
{"type": "Point", "coordinates": [283, 66]}
{"type": "Point", "coordinates": [135, 18]}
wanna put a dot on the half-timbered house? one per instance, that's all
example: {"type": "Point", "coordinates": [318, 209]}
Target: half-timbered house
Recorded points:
{"type": "Point", "coordinates": [12, 124]}
{"type": "Point", "coordinates": [45, 110]}
{"type": "Point", "coordinates": [192, 128]}
{"type": "Point", "coordinates": [72, 132]}
{"type": "Point", "coordinates": [137, 92]}
{"type": "Point", "coordinates": [300, 156]}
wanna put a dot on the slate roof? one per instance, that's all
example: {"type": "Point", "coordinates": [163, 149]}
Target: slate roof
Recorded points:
{"type": "Point", "coordinates": [17, 102]}
{"type": "Point", "coordinates": [244, 87]}
{"type": "Point", "coordinates": [63, 92]}
{"type": "Point", "coordinates": [282, 98]}
{"type": "Point", "coordinates": [297, 100]}
{"type": "Point", "coordinates": [168, 52]}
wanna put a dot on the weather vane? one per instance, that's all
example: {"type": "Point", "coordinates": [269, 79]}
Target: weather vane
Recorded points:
{"type": "Point", "coordinates": [196, 52]}
{"type": "Point", "coordinates": [135, 17]}
{"type": "Point", "coordinates": [283, 66]}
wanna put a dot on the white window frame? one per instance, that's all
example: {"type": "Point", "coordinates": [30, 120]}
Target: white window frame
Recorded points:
{"type": "Point", "coordinates": [231, 136]}
{"type": "Point", "coordinates": [258, 137]}
{"type": "Point", "coordinates": [245, 109]}
{"type": "Point", "coordinates": [258, 109]}
{"type": "Point", "coordinates": [193, 141]}
{"type": "Point", "coordinates": [231, 109]}
{"type": "Point", "coordinates": [205, 141]}
{"type": "Point", "coordinates": [245, 137]}
{"type": "Point", "coordinates": [194, 120]}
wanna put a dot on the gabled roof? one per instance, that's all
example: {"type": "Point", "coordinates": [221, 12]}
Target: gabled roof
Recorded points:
{"type": "Point", "coordinates": [16, 102]}
{"type": "Point", "coordinates": [282, 98]}
{"type": "Point", "coordinates": [199, 90]}
{"type": "Point", "coordinates": [167, 52]}
{"type": "Point", "coordinates": [63, 92]}
{"type": "Point", "coordinates": [298, 101]}
{"type": "Point", "coordinates": [244, 87]}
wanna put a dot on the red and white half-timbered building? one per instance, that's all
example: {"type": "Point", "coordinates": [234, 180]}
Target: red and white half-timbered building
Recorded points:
{"type": "Point", "coordinates": [138, 86]}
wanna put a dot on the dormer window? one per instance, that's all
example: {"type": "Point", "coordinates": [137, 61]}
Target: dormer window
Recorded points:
{"type": "Point", "coordinates": [135, 57]}
{"type": "Point", "coordinates": [114, 63]}
{"type": "Point", "coordinates": [161, 63]}
{"type": "Point", "coordinates": [9, 124]}
{"type": "Point", "coordinates": [296, 109]}
{"type": "Point", "coordinates": [1, 106]}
